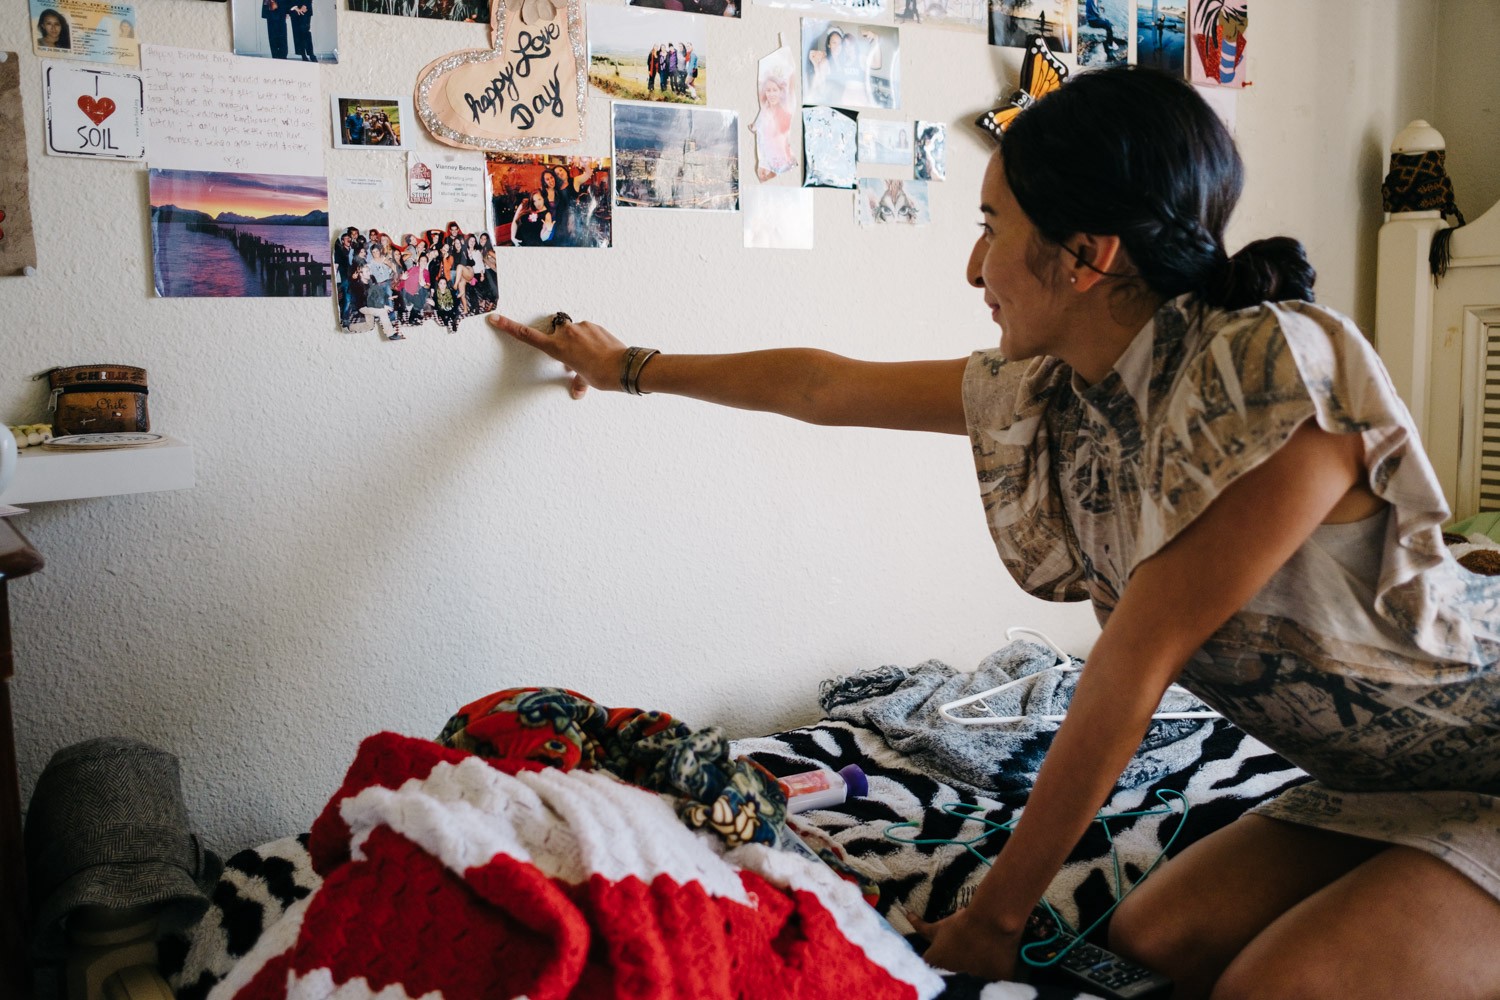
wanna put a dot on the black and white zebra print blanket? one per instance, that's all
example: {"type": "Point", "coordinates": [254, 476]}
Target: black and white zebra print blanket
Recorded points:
{"type": "Point", "coordinates": [1231, 773]}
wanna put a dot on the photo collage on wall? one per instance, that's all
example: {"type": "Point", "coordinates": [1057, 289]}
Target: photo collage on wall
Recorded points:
{"type": "Point", "coordinates": [435, 279]}
{"type": "Point", "coordinates": [550, 201]}
{"type": "Point", "coordinates": [224, 235]}
{"type": "Point", "coordinates": [240, 203]}
{"type": "Point", "coordinates": [1198, 40]}
{"type": "Point", "coordinates": [647, 56]}
{"type": "Point", "coordinates": [368, 120]}
{"type": "Point", "coordinates": [670, 157]}
{"type": "Point", "coordinates": [302, 30]}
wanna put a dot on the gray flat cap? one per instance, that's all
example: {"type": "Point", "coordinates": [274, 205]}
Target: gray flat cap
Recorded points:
{"type": "Point", "coordinates": [108, 827]}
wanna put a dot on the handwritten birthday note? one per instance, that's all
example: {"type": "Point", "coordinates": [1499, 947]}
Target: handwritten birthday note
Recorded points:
{"type": "Point", "coordinates": [216, 111]}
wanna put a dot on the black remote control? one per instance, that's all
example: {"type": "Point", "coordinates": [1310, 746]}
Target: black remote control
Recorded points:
{"type": "Point", "coordinates": [1087, 966]}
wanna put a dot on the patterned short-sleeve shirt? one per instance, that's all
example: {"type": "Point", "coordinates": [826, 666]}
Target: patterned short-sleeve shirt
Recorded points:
{"type": "Point", "coordinates": [1371, 659]}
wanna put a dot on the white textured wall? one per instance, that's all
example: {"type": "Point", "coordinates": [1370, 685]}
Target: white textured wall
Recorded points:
{"type": "Point", "coordinates": [382, 532]}
{"type": "Point", "coordinates": [1466, 108]}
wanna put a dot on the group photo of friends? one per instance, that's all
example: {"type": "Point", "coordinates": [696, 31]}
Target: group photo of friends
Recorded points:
{"type": "Point", "coordinates": [644, 55]}
{"type": "Point", "coordinates": [550, 201]}
{"type": "Point", "coordinates": [712, 8]}
{"type": "Point", "coordinates": [673, 68]}
{"type": "Point", "coordinates": [367, 121]}
{"type": "Point", "coordinates": [437, 276]}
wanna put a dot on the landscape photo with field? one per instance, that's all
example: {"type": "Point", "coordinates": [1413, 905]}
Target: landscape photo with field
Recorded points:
{"type": "Point", "coordinates": [642, 55]}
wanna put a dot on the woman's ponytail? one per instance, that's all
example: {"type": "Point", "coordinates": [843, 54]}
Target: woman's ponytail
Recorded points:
{"type": "Point", "coordinates": [1135, 153]}
{"type": "Point", "coordinates": [1270, 270]}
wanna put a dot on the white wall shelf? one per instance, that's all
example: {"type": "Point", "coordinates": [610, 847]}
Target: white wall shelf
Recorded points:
{"type": "Point", "coordinates": [44, 474]}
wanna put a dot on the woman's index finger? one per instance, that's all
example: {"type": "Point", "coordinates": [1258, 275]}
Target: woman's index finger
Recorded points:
{"type": "Point", "coordinates": [526, 334]}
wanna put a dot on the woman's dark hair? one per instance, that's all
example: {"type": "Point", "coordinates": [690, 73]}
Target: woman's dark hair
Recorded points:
{"type": "Point", "coordinates": [1135, 153]}
{"type": "Point", "coordinates": [64, 37]}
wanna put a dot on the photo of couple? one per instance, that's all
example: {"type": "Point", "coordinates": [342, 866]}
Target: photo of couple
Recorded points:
{"type": "Point", "coordinates": [303, 30]}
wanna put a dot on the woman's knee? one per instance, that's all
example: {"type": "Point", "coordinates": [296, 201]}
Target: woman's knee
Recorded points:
{"type": "Point", "coordinates": [1258, 976]}
{"type": "Point", "coordinates": [1145, 931]}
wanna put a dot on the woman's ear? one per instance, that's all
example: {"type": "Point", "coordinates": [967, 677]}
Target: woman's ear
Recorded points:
{"type": "Point", "coordinates": [1095, 258]}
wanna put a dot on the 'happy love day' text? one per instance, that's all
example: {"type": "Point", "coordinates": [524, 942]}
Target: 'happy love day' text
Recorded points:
{"type": "Point", "coordinates": [506, 87]}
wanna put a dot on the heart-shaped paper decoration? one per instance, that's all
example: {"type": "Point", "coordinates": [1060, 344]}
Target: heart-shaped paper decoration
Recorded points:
{"type": "Point", "coordinates": [97, 109]}
{"type": "Point", "coordinates": [525, 92]}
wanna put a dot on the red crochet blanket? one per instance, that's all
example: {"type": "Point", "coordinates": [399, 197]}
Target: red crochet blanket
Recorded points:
{"type": "Point", "coordinates": [452, 877]}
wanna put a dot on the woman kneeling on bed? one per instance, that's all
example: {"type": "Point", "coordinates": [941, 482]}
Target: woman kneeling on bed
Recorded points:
{"type": "Point", "coordinates": [1225, 471]}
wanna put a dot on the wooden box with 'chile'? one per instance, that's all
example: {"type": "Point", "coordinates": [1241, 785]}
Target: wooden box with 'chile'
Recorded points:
{"type": "Point", "coordinates": [98, 399]}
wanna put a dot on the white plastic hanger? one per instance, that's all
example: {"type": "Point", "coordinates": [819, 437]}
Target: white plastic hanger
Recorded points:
{"type": "Point", "coordinates": [1064, 662]}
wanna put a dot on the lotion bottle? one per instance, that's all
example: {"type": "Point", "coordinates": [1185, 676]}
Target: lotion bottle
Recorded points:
{"type": "Point", "coordinates": [821, 788]}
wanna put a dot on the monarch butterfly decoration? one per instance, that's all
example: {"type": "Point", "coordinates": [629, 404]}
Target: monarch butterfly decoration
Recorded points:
{"type": "Point", "coordinates": [1041, 74]}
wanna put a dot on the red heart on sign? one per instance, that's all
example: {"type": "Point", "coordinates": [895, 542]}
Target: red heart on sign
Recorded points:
{"type": "Point", "coordinates": [96, 110]}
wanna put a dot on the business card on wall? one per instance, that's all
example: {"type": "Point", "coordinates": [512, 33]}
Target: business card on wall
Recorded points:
{"type": "Point", "coordinates": [452, 179]}
{"type": "Point", "coordinates": [94, 112]}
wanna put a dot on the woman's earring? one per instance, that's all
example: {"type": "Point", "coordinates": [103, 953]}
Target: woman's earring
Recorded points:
{"type": "Point", "coordinates": [1072, 279]}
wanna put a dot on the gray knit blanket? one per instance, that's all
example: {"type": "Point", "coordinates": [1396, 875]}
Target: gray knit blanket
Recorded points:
{"type": "Point", "coordinates": [902, 704]}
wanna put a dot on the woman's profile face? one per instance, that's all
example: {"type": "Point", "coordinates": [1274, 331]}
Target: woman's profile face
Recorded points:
{"type": "Point", "coordinates": [1023, 305]}
{"type": "Point", "coordinates": [50, 26]}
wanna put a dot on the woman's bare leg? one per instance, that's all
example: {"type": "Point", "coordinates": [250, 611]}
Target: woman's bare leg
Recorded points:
{"type": "Point", "coordinates": [1197, 912]}
{"type": "Point", "coordinates": [1264, 908]}
{"type": "Point", "coordinates": [1403, 925]}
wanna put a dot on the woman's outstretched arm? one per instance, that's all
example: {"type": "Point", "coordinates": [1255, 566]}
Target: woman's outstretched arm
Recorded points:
{"type": "Point", "coordinates": [808, 384]}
